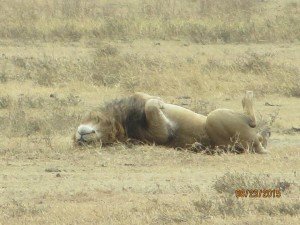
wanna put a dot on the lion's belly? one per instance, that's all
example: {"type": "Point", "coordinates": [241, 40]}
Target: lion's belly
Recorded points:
{"type": "Point", "coordinates": [189, 126]}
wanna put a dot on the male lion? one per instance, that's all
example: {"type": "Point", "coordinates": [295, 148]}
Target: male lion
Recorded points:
{"type": "Point", "coordinates": [148, 119]}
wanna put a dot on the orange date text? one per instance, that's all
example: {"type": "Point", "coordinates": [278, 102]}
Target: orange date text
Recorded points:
{"type": "Point", "coordinates": [258, 193]}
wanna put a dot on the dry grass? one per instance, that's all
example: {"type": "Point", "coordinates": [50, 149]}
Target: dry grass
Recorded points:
{"type": "Point", "coordinates": [59, 59]}
{"type": "Point", "coordinates": [116, 65]}
{"type": "Point", "coordinates": [200, 21]}
{"type": "Point", "coordinates": [133, 186]}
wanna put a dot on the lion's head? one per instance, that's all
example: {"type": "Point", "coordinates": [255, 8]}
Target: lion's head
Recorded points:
{"type": "Point", "coordinates": [98, 128]}
{"type": "Point", "coordinates": [115, 121]}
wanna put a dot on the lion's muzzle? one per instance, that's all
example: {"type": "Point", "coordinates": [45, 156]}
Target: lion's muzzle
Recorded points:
{"type": "Point", "coordinates": [86, 133]}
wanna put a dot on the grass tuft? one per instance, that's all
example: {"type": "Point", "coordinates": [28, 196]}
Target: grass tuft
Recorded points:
{"type": "Point", "coordinates": [230, 182]}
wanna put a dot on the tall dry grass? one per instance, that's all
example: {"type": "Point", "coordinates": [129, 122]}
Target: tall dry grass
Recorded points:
{"type": "Point", "coordinates": [200, 21]}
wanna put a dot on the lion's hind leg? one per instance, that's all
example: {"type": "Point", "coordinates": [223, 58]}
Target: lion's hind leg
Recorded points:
{"type": "Point", "coordinates": [260, 149]}
{"type": "Point", "coordinates": [258, 146]}
{"type": "Point", "coordinates": [263, 138]}
{"type": "Point", "coordinates": [160, 127]}
{"type": "Point", "coordinates": [247, 104]}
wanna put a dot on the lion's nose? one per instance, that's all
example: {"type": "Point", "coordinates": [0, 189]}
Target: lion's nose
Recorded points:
{"type": "Point", "coordinates": [85, 129]}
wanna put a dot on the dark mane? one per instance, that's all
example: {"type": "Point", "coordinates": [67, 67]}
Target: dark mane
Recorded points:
{"type": "Point", "coordinates": [130, 113]}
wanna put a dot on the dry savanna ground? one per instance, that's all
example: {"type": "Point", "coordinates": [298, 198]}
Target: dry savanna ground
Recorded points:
{"type": "Point", "coordinates": [59, 59]}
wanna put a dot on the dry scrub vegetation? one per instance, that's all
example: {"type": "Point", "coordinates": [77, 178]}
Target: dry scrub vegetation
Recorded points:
{"type": "Point", "coordinates": [60, 58]}
{"type": "Point", "coordinates": [199, 21]}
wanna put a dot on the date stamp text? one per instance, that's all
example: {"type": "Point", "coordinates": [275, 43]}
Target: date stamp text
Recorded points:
{"type": "Point", "coordinates": [258, 193]}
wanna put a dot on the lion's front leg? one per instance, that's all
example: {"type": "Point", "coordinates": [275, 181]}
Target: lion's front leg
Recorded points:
{"type": "Point", "coordinates": [146, 96]}
{"type": "Point", "coordinates": [160, 127]}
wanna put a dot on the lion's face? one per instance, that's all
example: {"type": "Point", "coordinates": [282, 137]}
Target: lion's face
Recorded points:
{"type": "Point", "coordinates": [97, 129]}
{"type": "Point", "coordinates": [89, 130]}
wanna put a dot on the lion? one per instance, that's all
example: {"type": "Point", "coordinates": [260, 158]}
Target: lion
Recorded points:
{"type": "Point", "coordinates": [148, 119]}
